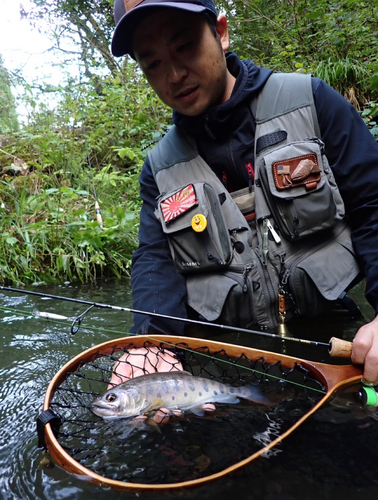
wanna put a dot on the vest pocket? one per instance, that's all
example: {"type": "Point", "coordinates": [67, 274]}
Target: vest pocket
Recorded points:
{"type": "Point", "coordinates": [318, 279]}
{"type": "Point", "coordinates": [299, 189]}
{"type": "Point", "coordinates": [198, 237]}
{"type": "Point", "coordinates": [220, 297]}
{"type": "Point", "coordinates": [236, 297]}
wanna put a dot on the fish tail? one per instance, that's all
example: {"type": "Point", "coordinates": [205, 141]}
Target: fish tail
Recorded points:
{"type": "Point", "coordinates": [253, 393]}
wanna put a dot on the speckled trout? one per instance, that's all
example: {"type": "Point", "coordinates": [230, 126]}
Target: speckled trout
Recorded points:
{"type": "Point", "coordinates": [171, 390]}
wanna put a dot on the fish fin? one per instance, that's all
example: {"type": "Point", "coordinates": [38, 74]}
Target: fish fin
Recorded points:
{"type": "Point", "coordinates": [154, 405]}
{"type": "Point", "coordinates": [200, 410]}
{"type": "Point", "coordinates": [229, 400]}
{"type": "Point", "coordinates": [253, 393]}
{"type": "Point", "coordinates": [154, 426]}
{"type": "Point", "coordinates": [197, 410]}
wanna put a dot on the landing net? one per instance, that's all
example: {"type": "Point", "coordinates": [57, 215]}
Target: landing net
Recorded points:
{"type": "Point", "coordinates": [188, 449]}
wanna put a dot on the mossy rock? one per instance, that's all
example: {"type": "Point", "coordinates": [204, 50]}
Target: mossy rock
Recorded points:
{"type": "Point", "coordinates": [33, 183]}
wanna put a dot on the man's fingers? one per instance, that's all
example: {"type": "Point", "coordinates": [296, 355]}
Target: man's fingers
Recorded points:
{"type": "Point", "coordinates": [371, 366]}
{"type": "Point", "coordinates": [161, 416]}
{"type": "Point", "coordinates": [208, 407]}
{"type": "Point", "coordinates": [365, 350]}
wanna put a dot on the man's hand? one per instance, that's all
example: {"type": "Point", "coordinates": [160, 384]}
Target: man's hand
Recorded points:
{"type": "Point", "coordinates": [365, 350]}
{"type": "Point", "coordinates": [143, 360]}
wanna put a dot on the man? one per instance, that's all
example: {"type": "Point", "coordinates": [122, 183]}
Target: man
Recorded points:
{"type": "Point", "coordinates": [181, 48]}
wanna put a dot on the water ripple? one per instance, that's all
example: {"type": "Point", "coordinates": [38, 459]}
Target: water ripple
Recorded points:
{"type": "Point", "coordinates": [32, 351]}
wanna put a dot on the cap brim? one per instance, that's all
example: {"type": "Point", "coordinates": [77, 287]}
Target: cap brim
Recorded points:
{"type": "Point", "coordinates": [123, 34]}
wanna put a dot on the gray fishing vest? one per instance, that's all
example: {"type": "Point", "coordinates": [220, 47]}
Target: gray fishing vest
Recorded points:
{"type": "Point", "coordinates": [297, 250]}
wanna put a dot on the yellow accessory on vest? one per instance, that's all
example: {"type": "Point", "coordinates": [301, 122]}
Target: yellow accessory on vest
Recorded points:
{"type": "Point", "coordinates": [199, 223]}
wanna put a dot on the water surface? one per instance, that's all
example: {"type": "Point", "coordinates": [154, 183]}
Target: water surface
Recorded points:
{"type": "Point", "coordinates": [332, 456]}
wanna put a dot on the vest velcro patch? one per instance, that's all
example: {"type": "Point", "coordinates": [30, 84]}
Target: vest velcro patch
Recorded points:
{"type": "Point", "coordinates": [299, 171]}
{"type": "Point", "coordinates": [178, 203]}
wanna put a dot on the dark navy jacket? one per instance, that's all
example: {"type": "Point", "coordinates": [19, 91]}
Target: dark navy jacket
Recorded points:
{"type": "Point", "coordinates": [225, 139]}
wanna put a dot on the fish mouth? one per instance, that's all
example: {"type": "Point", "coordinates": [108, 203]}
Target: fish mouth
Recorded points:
{"type": "Point", "coordinates": [108, 413]}
{"type": "Point", "coordinates": [104, 411]}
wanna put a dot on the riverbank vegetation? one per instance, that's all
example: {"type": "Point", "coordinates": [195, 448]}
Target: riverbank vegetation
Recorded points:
{"type": "Point", "coordinates": [69, 172]}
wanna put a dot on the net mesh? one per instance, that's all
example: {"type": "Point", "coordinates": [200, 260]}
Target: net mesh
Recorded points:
{"type": "Point", "coordinates": [187, 447]}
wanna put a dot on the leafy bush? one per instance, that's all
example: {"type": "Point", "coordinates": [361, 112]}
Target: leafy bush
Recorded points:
{"type": "Point", "coordinates": [87, 152]}
{"type": "Point", "coordinates": [370, 116]}
{"type": "Point", "coordinates": [59, 165]}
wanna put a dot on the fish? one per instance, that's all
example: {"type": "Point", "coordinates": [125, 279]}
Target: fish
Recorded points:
{"type": "Point", "coordinates": [171, 390]}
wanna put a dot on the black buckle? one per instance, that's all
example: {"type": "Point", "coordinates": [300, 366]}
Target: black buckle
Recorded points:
{"type": "Point", "coordinates": [47, 417]}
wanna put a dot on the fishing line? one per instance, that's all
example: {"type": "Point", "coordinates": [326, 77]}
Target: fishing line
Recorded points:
{"type": "Point", "coordinates": [77, 321]}
{"type": "Point", "coordinates": [62, 320]}
{"type": "Point", "coordinates": [54, 317]}
{"type": "Point", "coordinates": [58, 319]}
{"type": "Point", "coordinates": [81, 446]}
{"type": "Point", "coordinates": [247, 368]}
{"type": "Point", "coordinates": [165, 316]}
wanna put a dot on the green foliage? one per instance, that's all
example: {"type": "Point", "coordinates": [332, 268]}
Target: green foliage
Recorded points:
{"type": "Point", "coordinates": [8, 116]}
{"type": "Point", "coordinates": [49, 235]}
{"type": "Point", "coordinates": [370, 117]}
{"type": "Point", "coordinates": [48, 213]}
{"type": "Point", "coordinates": [307, 35]}
{"type": "Point", "coordinates": [87, 150]}
{"type": "Point", "coordinates": [80, 28]}
{"type": "Point", "coordinates": [347, 76]}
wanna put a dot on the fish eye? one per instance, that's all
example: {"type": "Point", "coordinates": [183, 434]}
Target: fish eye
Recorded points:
{"type": "Point", "coordinates": [110, 398]}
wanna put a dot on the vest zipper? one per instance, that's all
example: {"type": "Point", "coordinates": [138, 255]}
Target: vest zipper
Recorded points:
{"type": "Point", "coordinates": [220, 262]}
{"type": "Point", "coordinates": [247, 268]}
{"type": "Point", "coordinates": [295, 260]}
{"type": "Point", "coordinates": [295, 220]}
{"type": "Point", "coordinates": [273, 296]}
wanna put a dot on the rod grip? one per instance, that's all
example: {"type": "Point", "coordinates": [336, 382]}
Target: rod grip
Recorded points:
{"type": "Point", "coordinates": [339, 348]}
{"type": "Point", "coordinates": [98, 214]}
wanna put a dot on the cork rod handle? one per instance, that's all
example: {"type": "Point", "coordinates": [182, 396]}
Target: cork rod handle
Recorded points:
{"type": "Point", "coordinates": [339, 348]}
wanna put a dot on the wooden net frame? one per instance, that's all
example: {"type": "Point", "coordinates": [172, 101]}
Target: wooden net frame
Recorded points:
{"type": "Point", "coordinates": [318, 376]}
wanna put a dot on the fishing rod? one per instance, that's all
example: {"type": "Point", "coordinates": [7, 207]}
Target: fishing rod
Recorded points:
{"type": "Point", "coordinates": [97, 205]}
{"type": "Point", "coordinates": [336, 347]}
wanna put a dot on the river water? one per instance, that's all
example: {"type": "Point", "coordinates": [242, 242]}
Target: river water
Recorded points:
{"type": "Point", "coordinates": [333, 455]}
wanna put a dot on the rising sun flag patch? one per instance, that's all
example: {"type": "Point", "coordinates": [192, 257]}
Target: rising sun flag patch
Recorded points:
{"type": "Point", "coordinates": [179, 203]}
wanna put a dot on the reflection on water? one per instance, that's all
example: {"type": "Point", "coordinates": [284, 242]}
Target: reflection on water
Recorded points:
{"type": "Point", "coordinates": [333, 455]}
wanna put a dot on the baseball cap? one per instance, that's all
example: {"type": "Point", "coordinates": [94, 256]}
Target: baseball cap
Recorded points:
{"type": "Point", "coordinates": [129, 13]}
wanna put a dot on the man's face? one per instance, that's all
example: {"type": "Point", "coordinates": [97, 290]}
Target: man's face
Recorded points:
{"type": "Point", "coordinates": [183, 61]}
